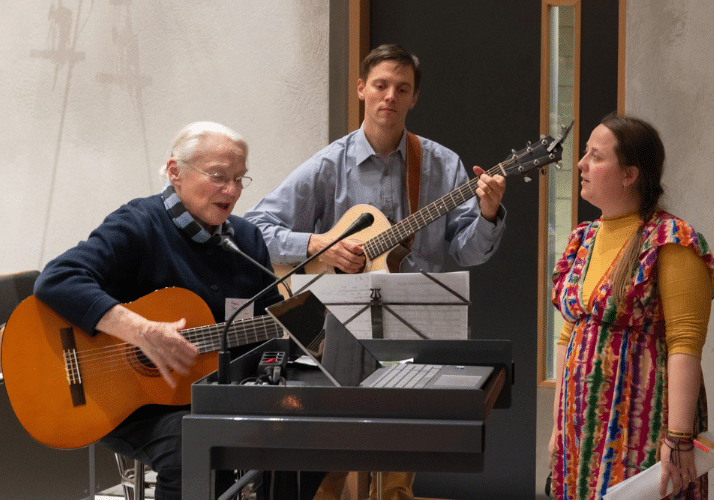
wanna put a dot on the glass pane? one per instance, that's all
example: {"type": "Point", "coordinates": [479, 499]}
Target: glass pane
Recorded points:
{"type": "Point", "coordinates": [560, 181]}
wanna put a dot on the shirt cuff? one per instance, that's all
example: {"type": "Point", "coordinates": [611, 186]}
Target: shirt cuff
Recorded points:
{"type": "Point", "coordinates": [500, 216]}
{"type": "Point", "coordinates": [295, 249]}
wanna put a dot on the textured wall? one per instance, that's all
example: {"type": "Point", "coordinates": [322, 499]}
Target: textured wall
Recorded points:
{"type": "Point", "coordinates": [94, 91]}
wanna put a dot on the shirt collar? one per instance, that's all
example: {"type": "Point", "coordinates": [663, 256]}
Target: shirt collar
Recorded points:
{"type": "Point", "coordinates": [363, 149]}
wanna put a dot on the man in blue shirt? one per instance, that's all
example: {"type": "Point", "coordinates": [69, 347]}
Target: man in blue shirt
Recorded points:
{"type": "Point", "coordinates": [368, 166]}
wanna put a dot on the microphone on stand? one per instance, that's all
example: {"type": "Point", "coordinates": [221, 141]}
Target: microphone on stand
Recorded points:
{"type": "Point", "coordinates": [224, 356]}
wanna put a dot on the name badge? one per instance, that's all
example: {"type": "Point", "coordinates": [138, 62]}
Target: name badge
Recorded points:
{"type": "Point", "coordinates": [232, 305]}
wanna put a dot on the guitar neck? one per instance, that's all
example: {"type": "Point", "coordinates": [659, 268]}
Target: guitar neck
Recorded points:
{"type": "Point", "coordinates": [390, 238]}
{"type": "Point", "coordinates": [532, 158]}
{"type": "Point", "coordinates": [258, 329]}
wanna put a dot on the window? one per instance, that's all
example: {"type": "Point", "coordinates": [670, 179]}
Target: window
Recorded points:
{"type": "Point", "coordinates": [559, 188]}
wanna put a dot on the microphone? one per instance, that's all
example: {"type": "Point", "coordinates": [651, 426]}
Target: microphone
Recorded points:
{"type": "Point", "coordinates": [224, 359]}
{"type": "Point", "coordinates": [362, 222]}
{"type": "Point", "coordinates": [230, 246]}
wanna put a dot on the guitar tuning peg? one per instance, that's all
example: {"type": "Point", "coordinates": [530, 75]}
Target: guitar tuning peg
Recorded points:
{"type": "Point", "coordinates": [558, 165]}
{"type": "Point", "coordinates": [527, 179]}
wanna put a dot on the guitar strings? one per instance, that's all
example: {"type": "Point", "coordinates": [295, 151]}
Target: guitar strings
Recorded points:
{"type": "Point", "coordinates": [392, 236]}
{"type": "Point", "coordinates": [121, 355]}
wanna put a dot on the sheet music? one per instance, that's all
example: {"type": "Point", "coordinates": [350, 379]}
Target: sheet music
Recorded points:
{"type": "Point", "coordinates": [431, 309]}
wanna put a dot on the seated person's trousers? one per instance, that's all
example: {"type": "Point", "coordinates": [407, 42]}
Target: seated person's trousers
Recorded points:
{"type": "Point", "coordinates": [152, 434]}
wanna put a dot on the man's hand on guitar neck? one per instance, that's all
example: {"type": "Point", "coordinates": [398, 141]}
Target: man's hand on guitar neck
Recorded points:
{"type": "Point", "coordinates": [490, 192]}
{"type": "Point", "coordinates": [161, 342]}
{"type": "Point", "coordinates": [346, 255]}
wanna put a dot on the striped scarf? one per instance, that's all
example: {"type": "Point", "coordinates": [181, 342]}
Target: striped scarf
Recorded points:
{"type": "Point", "coordinates": [185, 221]}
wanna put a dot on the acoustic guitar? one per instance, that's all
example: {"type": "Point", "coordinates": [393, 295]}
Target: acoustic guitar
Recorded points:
{"type": "Point", "coordinates": [69, 390]}
{"type": "Point", "coordinates": [381, 241]}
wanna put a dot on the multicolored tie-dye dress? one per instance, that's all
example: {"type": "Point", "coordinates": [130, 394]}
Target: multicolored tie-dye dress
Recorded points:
{"type": "Point", "coordinates": [612, 413]}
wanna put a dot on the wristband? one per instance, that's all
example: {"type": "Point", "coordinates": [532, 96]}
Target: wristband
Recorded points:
{"type": "Point", "coordinates": [677, 436]}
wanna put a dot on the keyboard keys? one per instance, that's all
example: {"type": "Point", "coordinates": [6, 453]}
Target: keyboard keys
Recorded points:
{"type": "Point", "coordinates": [407, 375]}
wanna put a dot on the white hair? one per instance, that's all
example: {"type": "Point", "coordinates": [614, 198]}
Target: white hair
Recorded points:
{"type": "Point", "coordinates": [189, 141]}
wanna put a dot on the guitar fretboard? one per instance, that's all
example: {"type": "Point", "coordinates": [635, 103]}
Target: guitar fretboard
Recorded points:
{"type": "Point", "coordinates": [390, 238]}
{"type": "Point", "coordinates": [257, 329]}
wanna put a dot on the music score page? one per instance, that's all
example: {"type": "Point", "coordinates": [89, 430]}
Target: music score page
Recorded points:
{"type": "Point", "coordinates": [435, 311]}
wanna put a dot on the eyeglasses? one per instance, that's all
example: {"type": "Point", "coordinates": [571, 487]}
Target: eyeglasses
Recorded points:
{"type": "Point", "coordinates": [222, 180]}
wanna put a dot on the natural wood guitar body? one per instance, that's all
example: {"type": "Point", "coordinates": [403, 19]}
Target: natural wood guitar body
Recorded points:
{"type": "Point", "coordinates": [383, 261]}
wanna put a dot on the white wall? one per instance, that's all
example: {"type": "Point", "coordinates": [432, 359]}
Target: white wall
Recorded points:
{"type": "Point", "coordinates": [93, 91]}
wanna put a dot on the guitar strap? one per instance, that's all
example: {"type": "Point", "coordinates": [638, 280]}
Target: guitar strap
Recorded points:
{"type": "Point", "coordinates": [413, 177]}
{"type": "Point", "coordinates": [413, 162]}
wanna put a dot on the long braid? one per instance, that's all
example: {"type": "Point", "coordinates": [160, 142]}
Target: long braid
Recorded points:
{"type": "Point", "coordinates": [639, 145]}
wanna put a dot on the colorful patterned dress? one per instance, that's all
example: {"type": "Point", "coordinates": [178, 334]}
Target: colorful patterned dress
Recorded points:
{"type": "Point", "coordinates": [612, 413]}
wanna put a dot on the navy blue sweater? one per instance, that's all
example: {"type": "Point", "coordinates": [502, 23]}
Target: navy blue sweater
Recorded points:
{"type": "Point", "coordinates": [138, 249]}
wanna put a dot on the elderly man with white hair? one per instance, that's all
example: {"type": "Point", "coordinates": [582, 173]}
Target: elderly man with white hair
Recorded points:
{"type": "Point", "coordinates": [171, 239]}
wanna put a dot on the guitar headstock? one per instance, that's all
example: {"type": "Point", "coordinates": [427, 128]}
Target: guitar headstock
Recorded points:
{"type": "Point", "coordinates": [535, 156]}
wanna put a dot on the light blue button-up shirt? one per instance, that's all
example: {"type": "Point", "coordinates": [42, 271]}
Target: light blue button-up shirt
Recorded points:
{"type": "Point", "coordinates": [348, 172]}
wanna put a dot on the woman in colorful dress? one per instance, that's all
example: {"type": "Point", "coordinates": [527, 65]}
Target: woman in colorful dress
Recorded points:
{"type": "Point", "coordinates": [635, 289]}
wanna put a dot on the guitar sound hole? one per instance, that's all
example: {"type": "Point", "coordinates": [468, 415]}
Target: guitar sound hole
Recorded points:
{"type": "Point", "coordinates": [144, 359]}
{"type": "Point", "coordinates": [141, 363]}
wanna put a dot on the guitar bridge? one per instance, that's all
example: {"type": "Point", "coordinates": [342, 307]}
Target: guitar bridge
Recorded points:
{"type": "Point", "coordinates": [71, 366]}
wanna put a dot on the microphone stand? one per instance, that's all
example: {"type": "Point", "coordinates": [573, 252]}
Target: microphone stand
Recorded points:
{"type": "Point", "coordinates": [229, 246]}
{"type": "Point", "coordinates": [224, 356]}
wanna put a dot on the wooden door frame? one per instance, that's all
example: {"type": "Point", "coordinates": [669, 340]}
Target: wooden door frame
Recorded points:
{"type": "Point", "coordinates": [543, 273]}
{"type": "Point", "coordinates": [358, 48]}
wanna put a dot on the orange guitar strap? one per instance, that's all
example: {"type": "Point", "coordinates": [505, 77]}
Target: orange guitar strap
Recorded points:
{"type": "Point", "coordinates": [413, 177]}
{"type": "Point", "coordinates": [413, 162]}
